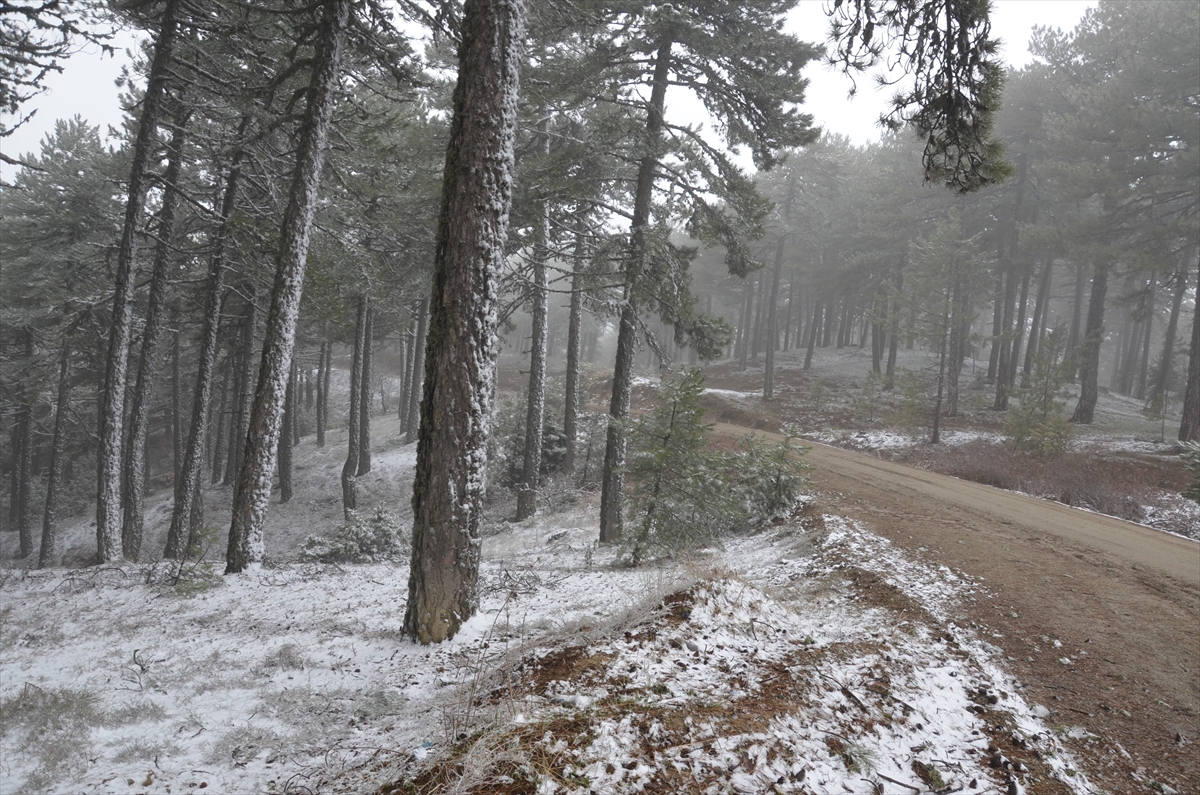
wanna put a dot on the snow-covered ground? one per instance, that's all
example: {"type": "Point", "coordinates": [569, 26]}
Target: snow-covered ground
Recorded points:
{"type": "Point", "coordinates": [750, 669]}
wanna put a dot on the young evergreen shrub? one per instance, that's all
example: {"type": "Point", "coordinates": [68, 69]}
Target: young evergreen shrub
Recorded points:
{"type": "Point", "coordinates": [1038, 422]}
{"type": "Point", "coordinates": [771, 475]}
{"type": "Point", "coordinates": [1191, 459]}
{"type": "Point", "coordinates": [681, 494]}
{"type": "Point", "coordinates": [359, 539]}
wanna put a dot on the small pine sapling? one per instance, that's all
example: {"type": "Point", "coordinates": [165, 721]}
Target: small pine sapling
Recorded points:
{"type": "Point", "coordinates": [1038, 423]}
{"type": "Point", "coordinates": [772, 476]}
{"type": "Point", "coordinates": [1190, 453]}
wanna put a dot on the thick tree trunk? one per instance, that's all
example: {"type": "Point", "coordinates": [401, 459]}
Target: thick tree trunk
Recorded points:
{"type": "Point", "coordinates": [187, 486]}
{"type": "Point", "coordinates": [535, 409]}
{"type": "Point", "coordinates": [139, 416]}
{"type": "Point", "coordinates": [364, 396]}
{"type": "Point", "coordinates": [49, 552]}
{"type": "Point", "coordinates": [253, 491]}
{"type": "Point", "coordinates": [416, 387]}
{"type": "Point", "coordinates": [612, 484]}
{"type": "Point", "coordinates": [460, 368]}
{"type": "Point", "coordinates": [354, 431]}
{"type": "Point", "coordinates": [1085, 409]}
{"type": "Point", "coordinates": [112, 410]}
{"type": "Point", "coordinates": [574, 347]}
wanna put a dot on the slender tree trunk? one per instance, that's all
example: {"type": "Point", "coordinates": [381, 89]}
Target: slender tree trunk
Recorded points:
{"type": "Point", "coordinates": [1019, 329]}
{"type": "Point", "coordinates": [242, 393]}
{"type": "Point", "coordinates": [417, 387]}
{"type": "Point", "coordinates": [1073, 338]}
{"type": "Point", "coordinates": [889, 376]}
{"type": "Point", "coordinates": [187, 485]}
{"type": "Point", "coordinates": [364, 396]}
{"type": "Point", "coordinates": [1162, 374]}
{"type": "Point", "coordinates": [1003, 365]}
{"type": "Point", "coordinates": [772, 324]}
{"type": "Point", "coordinates": [1189, 423]}
{"type": "Point", "coordinates": [743, 353]}
{"type": "Point", "coordinates": [997, 329]}
{"type": "Point", "coordinates": [253, 491]}
{"type": "Point", "coordinates": [787, 316]}
{"type": "Point", "coordinates": [535, 409]}
{"type": "Point", "coordinates": [322, 391]}
{"type": "Point", "coordinates": [936, 436]}
{"type": "Point", "coordinates": [24, 458]}
{"type": "Point", "coordinates": [112, 410]}
{"type": "Point", "coordinates": [814, 328]}
{"type": "Point", "coordinates": [49, 552]}
{"type": "Point", "coordinates": [354, 432]}
{"type": "Point", "coordinates": [460, 368]}
{"type": "Point", "coordinates": [218, 453]}
{"type": "Point", "coordinates": [1041, 307]}
{"type": "Point", "coordinates": [612, 484]}
{"type": "Point", "coordinates": [139, 416]}
{"type": "Point", "coordinates": [1085, 409]}
{"type": "Point", "coordinates": [286, 440]}
{"type": "Point", "coordinates": [574, 346]}
{"type": "Point", "coordinates": [402, 397]}
{"type": "Point", "coordinates": [1144, 361]}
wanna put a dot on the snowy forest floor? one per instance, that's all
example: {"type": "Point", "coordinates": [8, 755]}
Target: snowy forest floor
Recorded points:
{"type": "Point", "coordinates": [812, 657]}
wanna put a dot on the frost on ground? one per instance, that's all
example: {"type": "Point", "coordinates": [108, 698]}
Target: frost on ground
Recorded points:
{"type": "Point", "coordinates": [810, 658]}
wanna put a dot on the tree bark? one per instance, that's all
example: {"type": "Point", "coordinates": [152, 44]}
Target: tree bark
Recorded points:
{"type": "Point", "coordinates": [354, 431]}
{"type": "Point", "coordinates": [1073, 338]}
{"type": "Point", "coordinates": [49, 554]}
{"type": "Point", "coordinates": [535, 408]}
{"type": "Point", "coordinates": [612, 484]}
{"type": "Point", "coordinates": [322, 391]}
{"type": "Point", "coordinates": [1189, 423]}
{"type": "Point", "coordinates": [574, 346]}
{"type": "Point", "coordinates": [139, 416]}
{"type": "Point", "coordinates": [112, 410]}
{"type": "Point", "coordinates": [814, 328]}
{"type": "Point", "coordinates": [1085, 409]}
{"type": "Point", "coordinates": [364, 396]}
{"type": "Point", "coordinates": [416, 386]}
{"type": "Point", "coordinates": [253, 491]}
{"type": "Point", "coordinates": [286, 439]}
{"type": "Point", "coordinates": [460, 366]}
{"type": "Point", "coordinates": [218, 452]}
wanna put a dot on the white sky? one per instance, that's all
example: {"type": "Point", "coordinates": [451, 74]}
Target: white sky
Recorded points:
{"type": "Point", "coordinates": [87, 86]}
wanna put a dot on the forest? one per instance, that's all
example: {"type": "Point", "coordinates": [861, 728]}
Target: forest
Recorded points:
{"type": "Point", "coordinates": [488, 229]}
{"type": "Point", "coordinates": [174, 307]}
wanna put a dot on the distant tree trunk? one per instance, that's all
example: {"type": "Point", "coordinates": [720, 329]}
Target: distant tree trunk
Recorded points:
{"type": "Point", "coordinates": [574, 347]}
{"type": "Point", "coordinates": [960, 330]}
{"type": "Point", "coordinates": [242, 393]}
{"type": "Point", "coordinates": [757, 335]}
{"type": "Point", "coordinates": [49, 551]}
{"type": "Point", "coordinates": [1018, 334]}
{"type": "Point", "coordinates": [139, 415]}
{"type": "Point", "coordinates": [1162, 374]}
{"type": "Point", "coordinates": [322, 392]}
{"type": "Point", "coordinates": [112, 410]}
{"type": "Point", "coordinates": [187, 486]}
{"type": "Point", "coordinates": [253, 491]}
{"type": "Point", "coordinates": [286, 440]}
{"type": "Point", "coordinates": [787, 316]}
{"type": "Point", "coordinates": [743, 346]}
{"type": "Point", "coordinates": [402, 397]}
{"type": "Point", "coordinates": [416, 387]}
{"type": "Point", "coordinates": [364, 396]}
{"type": "Point", "coordinates": [1004, 341]}
{"type": "Point", "coordinates": [936, 436]}
{"type": "Point", "coordinates": [772, 323]}
{"type": "Point", "coordinates": [1189, 423]}
{"type": "Point", "coordinates": [814, 328]}
{"type": "Point", "coordinates": [612, 483]}
{"type": "Point", "coordinates": [1144, 360]}
{"type": "Point", "coordinates": [997, 329]}
{"type": "Point", "coordinates": [889, 376]}
{"type": "Point", "coordinates": [218, 452]}
{"type": "Point", "coordinates": [535, 409]}
{"type": "Point", "coordinates": [1085, 409]}
{"type": "Point", "coordinates": [1073, 340]}
{"type": "Point", "coordinates": [460, 369]}
{"type": "Point", "coordinates": [308, 388]}
{"type": "Point", "coordinates": [1041, 307]}
{"type": "Point", "coordinates": [23, 459]}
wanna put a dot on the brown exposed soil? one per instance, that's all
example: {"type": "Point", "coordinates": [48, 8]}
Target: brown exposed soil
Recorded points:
{"type": "Point", "coordinates": [1121, 599]}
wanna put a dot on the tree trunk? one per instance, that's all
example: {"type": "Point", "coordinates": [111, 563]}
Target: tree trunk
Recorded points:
{"type": "Point", "coordinates": [814, 328]}
{"type": "Point", "coordinates": [612, 484]}
{"type": "Point", "coordinates": [574, 347]}
{"type": "Point", "coordinates": [1018, 329]}
{"type": "Point", "coordinates": [322, 391]}
{"type": "Point", "coordinates": [1085, 409]}
{"type": "Point", "coordinates": [139, 416]}
{"type": "Point", "coordinates": [535, 409]}
{"type": "Point", "coordinates": [354, 431]}
{"type": "Point", "coordinates": [253, 491]}
{"type": "Point", "coordinates": [416, 387]}
{"type": "Point", "coordinates": [242, 393]}
{"type": "Point", "coordinates": [49, 551]}
{"type": "Point", "coordinates": [997, 328]}
{"type": "Point", "coordinates": [286, 439]}
{"type": "Point", "coordinates": [402, 397]}
{"type": "Point", "coordinates": [460, 369]}
{"type": "Point", "coordinates": [364, 396]}
{"type": "Point", "coordinates": [743, 352]}
{"type": "Point", "coordinates": [1073, 339]}
{"type": "Point", "coordinates": [787, 316]}
{"type": "Point", "coordinates": [218, 452]}
{"type": "Point", "coordinates": [23, 458]}
{"type": "Point", "coordinates": [187, 486]}
{"type": "Point", "coordinates": [1041, 307]}
{"type": "Point", "coordinates": [1189, 423]}
{"type": "Point", "coordinates": [112, 410]}
{"type": "Point", "coordinates": [772, 324]}
{"type": "Point", "coordinates": [1162, 374]}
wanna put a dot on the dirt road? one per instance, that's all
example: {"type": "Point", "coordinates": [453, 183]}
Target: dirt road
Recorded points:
{"type": "Point", "coordinates": [1099, 617]}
